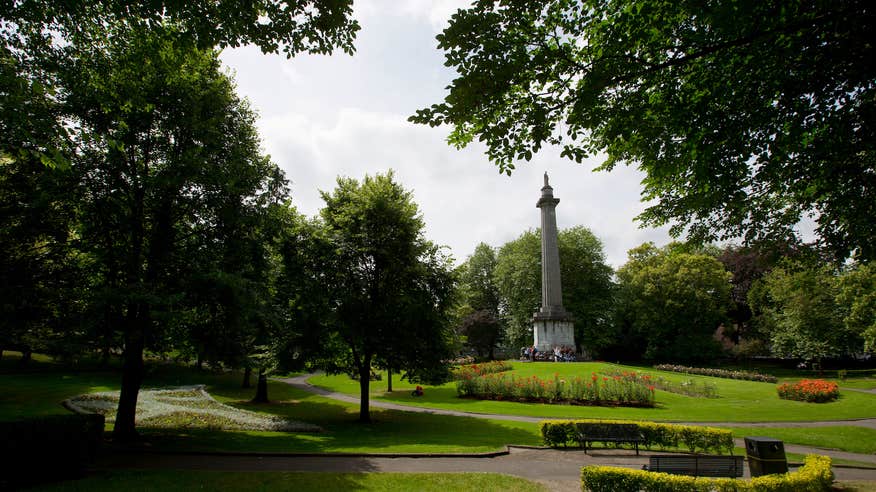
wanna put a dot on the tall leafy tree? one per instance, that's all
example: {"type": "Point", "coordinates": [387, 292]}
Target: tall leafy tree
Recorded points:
{"type": "Point", "coordinates": [671, 303]}
{"type": "Point", "coordinates": [168, 160]}
{"type": "Point", "coordinates": [857, 299]}
{"type": "Point", "coordinates": [390, 289]}
{"type": "Point", "coordinates": [480, 321]}
{"type": "Point", "coordinates": [798, 308]}
{"type": "Point", "coordinates": [518, 277]}
{"type": "Point", "coordinates": [744, 115]}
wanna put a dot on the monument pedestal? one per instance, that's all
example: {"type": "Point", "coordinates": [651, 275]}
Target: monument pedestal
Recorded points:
{"type": "Point", "coordinates": [550, 333]}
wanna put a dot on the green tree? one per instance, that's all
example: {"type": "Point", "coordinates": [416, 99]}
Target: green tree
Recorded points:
{"type": "Point", "coordinates": [671, 303]}
{"type": "Point", "coordinates": [856, 295]}
{"type": "Point", "coordinates": [798, 307]}
{"type": "Point", "coordinates": [293, 26]}
{"type": "Point", "coordinates": [587, 286]}
{"type": "Point", "coordinates": [477, 279]}
{"type": "Point", "coordinates": [390, 289]}
{"type": "Point", "coordinates": [480, 321]}
{"type": "Point", "coordinates": [168, 159]}
{"type": "Point", "coordinates": [745, 116]}
{"type": "Point", "coordinates": [518, 277]}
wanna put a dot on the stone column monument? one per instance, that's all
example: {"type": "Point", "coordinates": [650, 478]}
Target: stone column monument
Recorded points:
{"type": "Point", "coordinates": [552, 325]}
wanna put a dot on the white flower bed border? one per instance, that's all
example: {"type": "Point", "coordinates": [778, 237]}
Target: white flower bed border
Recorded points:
{"type": "Point", "coordinates": [155, 403]}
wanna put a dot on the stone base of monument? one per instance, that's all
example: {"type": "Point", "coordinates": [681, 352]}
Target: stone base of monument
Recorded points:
{"type": "Point", "coordinates": [550, 333]}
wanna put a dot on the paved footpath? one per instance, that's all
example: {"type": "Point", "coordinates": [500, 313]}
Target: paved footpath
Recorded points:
{"type": "Point", "coordinates": [558, 469]}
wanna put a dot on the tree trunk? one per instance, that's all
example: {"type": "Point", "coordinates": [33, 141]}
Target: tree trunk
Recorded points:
{"type": "Point", "coordinates": [261, 388]}
{"type": "Point", "coordinates": [25, 356]}
{"type": "Point", "coordinates": [364, 390]}
{"type": "Point", "coordinates": [389, 380]}
{"type": "Point", "coordinates": [247, 372]}
{"type": "Point", "coordinates": [132, 378]}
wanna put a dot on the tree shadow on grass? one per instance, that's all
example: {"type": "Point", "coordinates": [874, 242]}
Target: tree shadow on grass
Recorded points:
{"type": "Point", "coordinates": [390, 431]}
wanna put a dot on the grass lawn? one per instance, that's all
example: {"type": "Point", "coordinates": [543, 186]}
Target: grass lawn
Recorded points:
{"type": "Point", "coordinates": [40, 393]}
{"type": "Point", "coordinates": [846, 438]}
{"type": "Point", "coordinates": [739, 401]}
{"type": "Point", "coordinates": [172, 480]}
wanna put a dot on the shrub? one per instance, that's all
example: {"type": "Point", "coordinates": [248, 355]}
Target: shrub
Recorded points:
{"type": "Point", "coordinates": [718, 373]}
{"type": "Point", "coordinates": [809, 390]}
{"type": "Point", "coordinates": [557, 433]}
{"type": "Point", "coordinates": [814, 476]}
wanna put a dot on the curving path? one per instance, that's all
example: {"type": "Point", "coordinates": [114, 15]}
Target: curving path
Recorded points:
{"type": "Point", "coordinates": [301, 382]}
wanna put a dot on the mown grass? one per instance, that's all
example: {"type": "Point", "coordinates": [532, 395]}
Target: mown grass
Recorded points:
{"type": "Point", "coordinates": [739, 401]}
{"type": "Point", "coordinates": [40, 393]}
{"type": "Point", "coordinates": [849, 438]}
{"type": "Point", "coordinates": [171, 480]}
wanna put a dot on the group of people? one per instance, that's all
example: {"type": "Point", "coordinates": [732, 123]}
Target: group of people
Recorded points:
{"type": "Point", "coordinates": [560, 354]}
{"type": "Point", "coordinates": [564, 354]}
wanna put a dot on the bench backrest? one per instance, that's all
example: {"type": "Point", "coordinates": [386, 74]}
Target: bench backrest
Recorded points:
{"type": "Point", "coordinates": [700, 466]}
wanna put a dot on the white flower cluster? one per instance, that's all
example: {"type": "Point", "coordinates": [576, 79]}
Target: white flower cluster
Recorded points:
{"type": "Point", "coordinates": [156, 405]}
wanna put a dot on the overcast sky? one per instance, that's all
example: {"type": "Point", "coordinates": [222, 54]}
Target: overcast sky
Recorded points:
{"type": "Point", "coordinates": [325, 116]}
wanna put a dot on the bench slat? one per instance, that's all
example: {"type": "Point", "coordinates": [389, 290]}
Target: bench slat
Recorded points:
{"type": "Point", "coordinates": [698, 466]}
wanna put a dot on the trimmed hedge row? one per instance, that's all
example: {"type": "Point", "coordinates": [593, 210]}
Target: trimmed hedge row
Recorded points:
{"type": "Point", "coordinates": [557, 433]}
{"type": "Point", "coordinates": [48, 448]}
{"type": "Point", "coordinates": [814, 476]}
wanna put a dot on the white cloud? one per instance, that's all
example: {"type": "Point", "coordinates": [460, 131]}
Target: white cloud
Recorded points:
{"type": "Point", "coordinates": [324, 116]}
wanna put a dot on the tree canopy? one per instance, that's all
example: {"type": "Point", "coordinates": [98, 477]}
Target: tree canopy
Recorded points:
{"type": "Point", "coordinates": [389, 289]}
{"type": "Point", "coordinates": [744, 115]}
{"type": "Point", "coordinates": [671, 303]}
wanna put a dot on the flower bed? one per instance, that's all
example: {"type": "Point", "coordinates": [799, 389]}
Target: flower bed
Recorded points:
{"type": "Point", "coordinates": [809, 390]}
{"type": "Point", "coordinates": [475, 370]}
{"type": "Point", "coordinates": [718, 373]}
{"type": "Point", "coordinates": [185, 407]}
{"type": "Point", "coordinates": [595, 390]}
{"type": "Point", "coordinates": [699, 389]}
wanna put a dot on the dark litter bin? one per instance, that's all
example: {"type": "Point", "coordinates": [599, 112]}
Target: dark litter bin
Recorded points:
{"type": "Point", "coordinates": [766, 456]}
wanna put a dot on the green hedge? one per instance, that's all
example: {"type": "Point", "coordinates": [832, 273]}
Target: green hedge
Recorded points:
{"type": "Point", "coordinates": [558, 433]}
{"type": "Point", "coordinates": [48, 448]}
{"type": "Point", "coordinates": [814, 476]}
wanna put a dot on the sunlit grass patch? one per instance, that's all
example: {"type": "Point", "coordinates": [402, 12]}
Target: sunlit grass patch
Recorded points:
{"type": "Point", "coordinates": [186, 408]}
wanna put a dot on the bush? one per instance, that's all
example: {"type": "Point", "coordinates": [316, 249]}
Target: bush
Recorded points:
{"type": "Point", "coordinates": [48, 448]}
{"type": "Point", "coordinates": [814, 476]}
{"type": "Point", "coordinates": [556, 433]}
{"type": "Point", "coordinates": [718, 373]}
{"type": "Point", "coordinates": [809, 390]}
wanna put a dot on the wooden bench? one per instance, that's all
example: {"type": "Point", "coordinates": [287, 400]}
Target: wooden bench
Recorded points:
{"type": "Point", "coordinates": [697, 465]}
{"type": "Point", "coordinates": [605, 433]}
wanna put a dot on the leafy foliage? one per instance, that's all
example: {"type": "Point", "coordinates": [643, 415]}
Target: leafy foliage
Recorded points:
{"type": "Point", "coordinates": [389, 289]}
{"type": "Point", "coordinates": [745, 116]}
{"type": "Point", "coordinates": [671, 303]}
{"type": "Point", "coordinates": [798, 308]}
{"type": "Point", "coordinates": [856, 296]}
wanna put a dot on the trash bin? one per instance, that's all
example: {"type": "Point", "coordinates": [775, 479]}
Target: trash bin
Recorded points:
{"type": "Point", "coordinates": [766, 456]}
